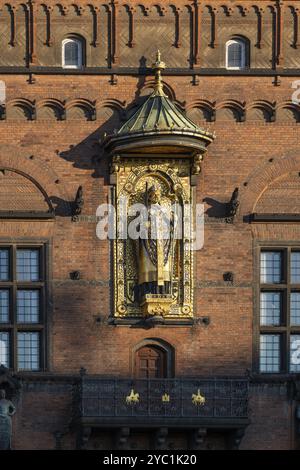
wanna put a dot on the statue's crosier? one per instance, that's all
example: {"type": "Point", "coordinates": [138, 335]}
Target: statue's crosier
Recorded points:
{"type": "Point", "coordinates": [7, 410]}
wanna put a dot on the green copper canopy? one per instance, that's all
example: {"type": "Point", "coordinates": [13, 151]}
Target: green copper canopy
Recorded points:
{"type": "Point", "coordinates": [159, 124]}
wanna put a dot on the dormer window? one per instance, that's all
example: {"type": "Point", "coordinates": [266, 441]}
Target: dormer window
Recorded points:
{"type": "Point", "coordinates": [235, 54]}
{"type": "Point", "coordinates": [72, 53]}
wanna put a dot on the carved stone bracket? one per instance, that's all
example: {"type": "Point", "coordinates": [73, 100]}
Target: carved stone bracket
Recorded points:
{"type": "Point", "coordinates": [197, 439]}
{"type": "Point", "coordinates": [121, 438]}
{"type": "Point", "coordinates": [232, 206]}
{"type": "Point", "coordinates": [78, 204]}
{"type": "Point", "coordinates": [160, 439]}
{"type": "Point", "coordinates": [234, 438]}
{"type": "Point", "coordinates": [84, 437]}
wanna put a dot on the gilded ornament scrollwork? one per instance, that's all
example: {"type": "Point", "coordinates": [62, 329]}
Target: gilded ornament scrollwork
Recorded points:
{"type": "Point", "coordinates": [154, 278]}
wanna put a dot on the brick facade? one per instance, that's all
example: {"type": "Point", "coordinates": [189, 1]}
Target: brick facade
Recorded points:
{"type": "Point", "coordinates": [50, 127]}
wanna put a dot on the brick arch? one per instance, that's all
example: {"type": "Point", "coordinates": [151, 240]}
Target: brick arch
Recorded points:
{"type": "Point", "coordinates": [263, 176]}
{"type": "Point", "coordinates": [200, 110]}
{"type": "Point", "coordinates": [80, 109]}
{"type": "Point", "coordinates": [39, 172]}
{"type": "Point", "coordinates": [260, 110]}
{"type": "Point", "coordinates": [20, 109]}
{"type": "Point", "coordinates": [230, 110]}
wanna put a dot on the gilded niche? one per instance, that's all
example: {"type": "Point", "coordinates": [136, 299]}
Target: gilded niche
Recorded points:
{"type": "Point", "coordinates": [153, 270]}
{"type": "Point", "coordinates": [155, 157]}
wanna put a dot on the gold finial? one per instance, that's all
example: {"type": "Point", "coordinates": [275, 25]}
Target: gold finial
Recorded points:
{"type": "Point", "coordinates": [158, 66]}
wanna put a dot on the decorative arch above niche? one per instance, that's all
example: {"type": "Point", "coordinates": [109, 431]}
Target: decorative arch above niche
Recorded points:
{"type": "Point", "coordinates": [155, 157]}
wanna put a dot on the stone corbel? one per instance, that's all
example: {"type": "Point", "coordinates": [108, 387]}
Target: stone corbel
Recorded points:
{"type": "Point", "coordinates": [121, 438]}
{"type": "Point", "coordinates": [197, 439]}
{"type": "Point", "coordinates": [196, 168]}
{"type": "Point", "coordinates": [232, 206]}
{"type": "Point", "coordinates": [79, 9]}
{"type": "Point", "coordinates": [160, 439]}
{"type": "Point", "coordinates": [84, 437]}
{"type": "Point", "coordinates": [64, 9]}
{"type": "Point", "coordinates": [234, 438]}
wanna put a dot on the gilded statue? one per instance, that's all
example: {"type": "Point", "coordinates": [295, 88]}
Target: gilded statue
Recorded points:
{"type": "Point", "coordinates": [156, 250]}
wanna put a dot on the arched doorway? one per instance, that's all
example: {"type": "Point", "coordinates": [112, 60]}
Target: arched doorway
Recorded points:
{"type": "Point", "coordinates": [150, 363]}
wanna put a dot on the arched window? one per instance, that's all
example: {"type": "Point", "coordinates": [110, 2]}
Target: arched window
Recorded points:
{"type": "Point", "coordinates": [72, 53]}
{"type": "Point", "coordinates": [236, 54]}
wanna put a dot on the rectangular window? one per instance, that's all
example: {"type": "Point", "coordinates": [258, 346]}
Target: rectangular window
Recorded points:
{"type": "Point", "coordinates": [4, 264]}
{"type": "Point", "coordinates": [23, 293]}
{"type": "Point", "coordinates": [279, 310]}
{"type": "Point", "coordinates": [28, 306]}
{"type": "Point", "coordinates": [270, 308]}
{"type": "Point", "coordinates": [295, 308]}
{"type": "Point", "coordinates": [4, 305]}
{"type": "Point", "coordinates": [4, 349]}
{"type": "Point", "coordinates": [295, 353]}
{"type": "Point", "coordinates": [295, 267]}
{"type": "Point", "coordinates": [270, 353]}
{"type": "Point", "coordinates": [27, 265]}
{"type": "Point", "coordinates": [28, 351]}
{"type": "Point", "coordinates": [270, 267]}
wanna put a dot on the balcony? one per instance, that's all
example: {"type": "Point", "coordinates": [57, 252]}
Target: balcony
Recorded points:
{"type": "Point", "coordinates": [184, 402]}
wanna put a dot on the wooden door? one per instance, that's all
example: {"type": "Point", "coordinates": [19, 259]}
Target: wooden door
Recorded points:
{"type": "Point", "coordinates": [150, 363]}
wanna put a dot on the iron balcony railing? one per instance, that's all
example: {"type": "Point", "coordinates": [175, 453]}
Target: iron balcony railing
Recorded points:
{"type": "Point", "coordinates": [164, 398]}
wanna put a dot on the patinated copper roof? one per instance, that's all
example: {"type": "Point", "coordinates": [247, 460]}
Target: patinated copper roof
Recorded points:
{"type": "Point", "coordinates": [157, 119]}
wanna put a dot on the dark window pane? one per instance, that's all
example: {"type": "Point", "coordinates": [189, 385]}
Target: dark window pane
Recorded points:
{"type": "Point", "coordinates": [270, 267]}
{"type": "Point", "coordinates": [28, 265]}
{"type": "Point", "coordinates": [295, 267]}
{"type": "Point", "coordinates": [72, 54]}
{"type": "Point", "coordinates": [4, 306]}
{"type": "Point", "coordinates": [28, 306]}
{"type": "Point", "coordinates": [295, 353]}
{"type": "Point", "coordinates": [4, 349]}
{"type": "Point", "coordinates": [270, 308]}
{"type": "Point", "coordinates": [4, 264]}
{"type": "Point", "coordinates": [270, 353]}
{"type": "Point", "coordinates": [295, 308]}
{"type": "Point", "coordinates": [28, 351]}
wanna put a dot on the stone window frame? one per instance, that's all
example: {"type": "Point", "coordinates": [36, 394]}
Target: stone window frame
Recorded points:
{"type": "Point", "coordinates": [13, 327]}
{"type": "Point", "coordinates": [286, 287]}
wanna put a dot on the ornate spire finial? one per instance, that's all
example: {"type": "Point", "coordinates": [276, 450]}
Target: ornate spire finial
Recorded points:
{"type": "Point", "coordinates": [158, 66]}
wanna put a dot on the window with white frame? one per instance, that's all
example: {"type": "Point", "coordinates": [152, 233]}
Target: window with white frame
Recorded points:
{"type": "Point", "coordinates": [72, 53]}
{"type": "Point", "coordinates": [235, 54]}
